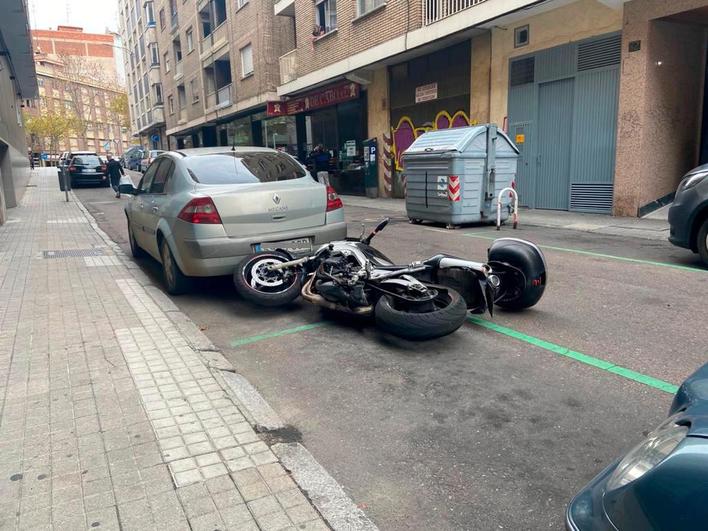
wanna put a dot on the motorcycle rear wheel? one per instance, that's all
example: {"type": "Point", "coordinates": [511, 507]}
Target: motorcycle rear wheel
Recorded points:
{"type": "Point", "coordinates": [254, 284]}
{"type": "Point", "coordinates": [422, 325]}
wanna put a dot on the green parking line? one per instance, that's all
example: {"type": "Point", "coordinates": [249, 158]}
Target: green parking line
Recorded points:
{"type": "Point", "coordinates": [278, 333]}
{"type": "Point", "coordinates": [589, 253]}
{"type": "Point", "coordinates": [603, 255]}
{"type": "Point", "coordinates": [578, 356]}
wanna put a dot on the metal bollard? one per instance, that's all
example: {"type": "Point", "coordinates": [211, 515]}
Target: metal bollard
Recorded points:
{"type": "Point", "coordinates": [515, 213]}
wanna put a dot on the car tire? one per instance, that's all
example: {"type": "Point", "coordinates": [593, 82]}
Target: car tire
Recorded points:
{"type": "Point", "coordinates": [244, 273]}
{"type": "Point", "coordinates": [702, 243]}
{"type": "Point", "coordinates": [421, 326]}
{"type": "Point", "coordinates": [135, 249]}
{"type": "Point", "coordinates": [176, 282]}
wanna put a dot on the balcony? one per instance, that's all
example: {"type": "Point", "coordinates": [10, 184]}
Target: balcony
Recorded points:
{"type": "Point", "coordinates": [211, 101]}
{"type": "Point", "coordinates": [285, 8]}
{"type": "Point", "coordinates": [179, 70]}
{"type": "Point", "coordinates": [214, 41]}
{"type": "Point", "coordinates": [435, 10]}
{"type": "Point", "coordinates": [182, 116]}
{"type": "Point", "coordinates": [288, 67]}
{"type": "Point", "coordinates": [223, 96]}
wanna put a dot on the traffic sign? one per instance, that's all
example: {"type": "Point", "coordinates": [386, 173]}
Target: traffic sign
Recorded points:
{"type": "Point", "coordinates": [155, 138]}
{"type": "Point", "coordinates": [107, 145]}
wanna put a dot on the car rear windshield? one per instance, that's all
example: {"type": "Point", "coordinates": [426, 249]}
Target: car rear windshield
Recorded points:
{"type": "Point", "coordinates": [87, 160]}
{"type": "Point", "coordinates": [243, 168]}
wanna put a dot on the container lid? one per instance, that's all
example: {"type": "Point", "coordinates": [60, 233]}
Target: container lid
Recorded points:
{"type": "Point", "coordinates": [446, 140]}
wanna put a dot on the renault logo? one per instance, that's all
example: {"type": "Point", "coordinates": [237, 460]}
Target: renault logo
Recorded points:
{"type": "Point", "coordinates": [276, 199]}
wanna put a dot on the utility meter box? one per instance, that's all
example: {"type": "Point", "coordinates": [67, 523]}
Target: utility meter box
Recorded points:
{"type": "Point", "coordinates": [454, 176]}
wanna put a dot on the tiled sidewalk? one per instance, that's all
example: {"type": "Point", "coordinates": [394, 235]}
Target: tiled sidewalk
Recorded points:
{"type": "Point", "coordinates": [109, 419]}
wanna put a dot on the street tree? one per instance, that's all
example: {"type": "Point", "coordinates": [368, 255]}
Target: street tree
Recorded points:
{"type": "Point", "coordinates": [49, 127]}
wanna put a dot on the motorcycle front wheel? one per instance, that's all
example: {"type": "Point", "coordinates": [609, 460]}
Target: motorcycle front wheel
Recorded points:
{"type": "Point", "coordinates": [447, 315]}
{"type": "Point", "coordinates": [255, 283]}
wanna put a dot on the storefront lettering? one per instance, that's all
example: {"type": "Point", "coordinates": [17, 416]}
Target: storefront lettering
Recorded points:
{"type": "Point", "coordinates": [315, 100]}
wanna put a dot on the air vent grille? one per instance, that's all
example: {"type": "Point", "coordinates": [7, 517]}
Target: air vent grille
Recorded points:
{"type": "Point", "coordinates": [591, 197]}
{"type": "Point", "coordinates": [522, 71]}
{"type": "Point", "coordinates": [599, 53]}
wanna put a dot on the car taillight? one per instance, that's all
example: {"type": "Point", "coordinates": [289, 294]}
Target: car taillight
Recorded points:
{"type": "Point", "coordinates": [333, 200]}
{"type": "Point", "coordinates": [201, 210]}
{"type": "Point", "coordinates": [72, 168]}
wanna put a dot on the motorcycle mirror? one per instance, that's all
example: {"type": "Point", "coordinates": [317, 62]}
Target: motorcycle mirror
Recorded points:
{"type": "Point", "coordinates": [381, 226]}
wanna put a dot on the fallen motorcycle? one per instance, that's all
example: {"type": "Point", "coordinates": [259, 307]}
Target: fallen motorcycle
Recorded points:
{"type": "Point", "coordinates": [422, 300]}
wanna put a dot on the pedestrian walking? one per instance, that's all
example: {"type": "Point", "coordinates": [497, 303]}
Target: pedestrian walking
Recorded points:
{"type": "Point", "coordinates": [114, 171]}
{"type": "Point", "coordinates": [31, 158]}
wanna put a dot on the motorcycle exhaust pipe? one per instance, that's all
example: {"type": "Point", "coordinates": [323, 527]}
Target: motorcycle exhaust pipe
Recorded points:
{"type": "Point", "coordinates": [288, 265]}
{"type": "Point", "coordinates": [315, 298]}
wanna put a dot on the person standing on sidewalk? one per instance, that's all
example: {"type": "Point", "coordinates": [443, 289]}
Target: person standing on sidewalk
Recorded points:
{"type": "Point", "coordinates": [114, 171]}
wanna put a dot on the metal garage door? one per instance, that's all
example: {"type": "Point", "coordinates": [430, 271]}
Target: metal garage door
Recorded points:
{"type": "Point", "coordinates": [563, 103]}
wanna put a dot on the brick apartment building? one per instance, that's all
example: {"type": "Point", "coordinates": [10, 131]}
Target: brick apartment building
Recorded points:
{"type": "Point", "coordinates": [76, 71]}
{"type": "Point", "coordinates": [605, 98]}
{"type": "Point", "coordinates": [217, 62]}
{"type": "Point", "coordinates": [142, 65]}
{"type": "Point", "coordinates": [580, 86]}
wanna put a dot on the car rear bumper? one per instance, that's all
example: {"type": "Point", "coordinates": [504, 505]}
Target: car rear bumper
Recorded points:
{"type": "Point", "coordinates": [208, 257]}
{"type": "Point", "coordinates": [97, 178]}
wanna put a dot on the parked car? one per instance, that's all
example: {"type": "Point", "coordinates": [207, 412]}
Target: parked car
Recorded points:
{"type": "Point", "coordinates": [66, 158]}
{"type": "Point", "coordinates": [131, 158]}
{"type": "Point", "coordinates": [660, 484]}
{"type": "Point", "coordinates": [201, 211]}
{"type": "Point", "coordinates": [87, 169]}
{"type": "Point", "coordinates": [688, 215]}
{"type": "Point", "coordinates": [148, 157]}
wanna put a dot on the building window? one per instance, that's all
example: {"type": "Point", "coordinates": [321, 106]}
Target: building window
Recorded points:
{"type": "Point", "coordinates": [178, 50]}
{"type": "Point", "coordinates": [162, 19]}
{"type": "Point", "coordinates": [521, 36]}
{"type": "Point", "coordinates": [171, 104]}
{"type": "Point", "coordinates": [246, 60]}
{"type": "Point", "coordinates": [158, 93]}
{"type": "Point", "coordinates": [154, 54]}
{"type": "Point", "coordinates": [190, 40]}
{"type": "Point", "coordinates": [364, 6]}
{"type": "Point", "coordinates": [195, 90]}
{"type": "Point", "coordinates": [149, 14]}
{"type": "Point", "coordinates": [326, 16]}
{"type": "Point", "coordinates": [141, 45]}
{"type": "Point", "coordinates": [166, 61]}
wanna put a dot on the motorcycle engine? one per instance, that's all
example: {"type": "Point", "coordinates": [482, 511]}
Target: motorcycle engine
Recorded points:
{"type": "Point", "coordinates": [340, 283]}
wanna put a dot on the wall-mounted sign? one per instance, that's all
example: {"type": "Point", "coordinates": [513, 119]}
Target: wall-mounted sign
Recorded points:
{"type": "Point", "coordinates": [520, 138]}
{"type": "Point", "coordinates": [426, 92]}
{"type": "Point", "coordinates": [316, 99]}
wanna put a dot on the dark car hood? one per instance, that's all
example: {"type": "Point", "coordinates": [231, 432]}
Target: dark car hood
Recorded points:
{"type": "Point", "coordinates": [692, 397]}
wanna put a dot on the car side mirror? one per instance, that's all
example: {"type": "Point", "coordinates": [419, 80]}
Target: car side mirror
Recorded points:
{"type": "Point", "coordinates": [128, 189]}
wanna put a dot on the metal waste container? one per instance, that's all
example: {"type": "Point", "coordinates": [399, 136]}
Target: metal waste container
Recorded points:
{"type": "Point", "coordinates": [454, 176]}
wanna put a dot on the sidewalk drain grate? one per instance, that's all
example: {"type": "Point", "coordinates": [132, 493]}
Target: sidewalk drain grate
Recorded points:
{"type": "Point", "coordinates": [65, 253]}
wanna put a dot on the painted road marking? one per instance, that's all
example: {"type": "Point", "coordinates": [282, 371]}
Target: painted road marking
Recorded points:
{"type": "Point", "coordinates": [581, 251]}
{"type": "Point", "coordinates": [278, 333]}
{"type": "Point", "coordinates": [598, 363]}
{"type": "Point", "coordinates": [577, 356]}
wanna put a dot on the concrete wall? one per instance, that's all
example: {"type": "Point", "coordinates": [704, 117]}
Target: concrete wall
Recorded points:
{"type": "Point", "coordinates": [14, 163]}
{"type": "Point", "coordinates": [574, 22]}
{"type": "Point", "coordinates": [480, 89]}
{"type": "Point", "coordinates": [659, 105]}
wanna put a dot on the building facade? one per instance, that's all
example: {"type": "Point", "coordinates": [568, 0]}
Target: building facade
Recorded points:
{"type": "Point", "coordinates": [18, 83]}
{"type": "Point", "coordinates": [63, 92]}
{"type": "Point", "coordinates": [580, 85]}
{"type": "Point", "coordinates": [142, 59]}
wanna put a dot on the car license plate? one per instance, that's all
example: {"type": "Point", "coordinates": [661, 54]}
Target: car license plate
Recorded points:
{"type": "Point", "coordinates": [86, 170]}
{"type": "Point", "coordinates": [299, 246]}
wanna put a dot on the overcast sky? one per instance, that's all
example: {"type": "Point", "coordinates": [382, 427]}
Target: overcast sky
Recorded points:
{"type": "Point", "coordinates": [92, 15]}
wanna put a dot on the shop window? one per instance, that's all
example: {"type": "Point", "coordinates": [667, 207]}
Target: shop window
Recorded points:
{"type": "Point", "coordinates": [521, 36]}
{"type": "Point", "coordinates": [247, 60]}
{"type": "Point", "coordinates": [364, 6]}
{"type": "Point", "coordinates": [326, 16]}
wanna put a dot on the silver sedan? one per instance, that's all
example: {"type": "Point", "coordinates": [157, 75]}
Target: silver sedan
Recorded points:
{"type": "Point", "coordinates": [200, 211]}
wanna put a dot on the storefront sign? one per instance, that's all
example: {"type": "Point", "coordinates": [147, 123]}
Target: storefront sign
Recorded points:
{"type": "Point", "coordinates": [426, 93]}
{"type": "Point", "coordinates": [315, 100]}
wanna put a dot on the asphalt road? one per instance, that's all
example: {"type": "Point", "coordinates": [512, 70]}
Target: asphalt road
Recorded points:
{"type": "Point", "coordinates": [483, 429]}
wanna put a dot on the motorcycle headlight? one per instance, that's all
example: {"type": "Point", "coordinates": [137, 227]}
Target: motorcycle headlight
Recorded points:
{"type": "Point", "coordinates": [692, 179]}
{"type": "Point", "coordinates": [650, 452]}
